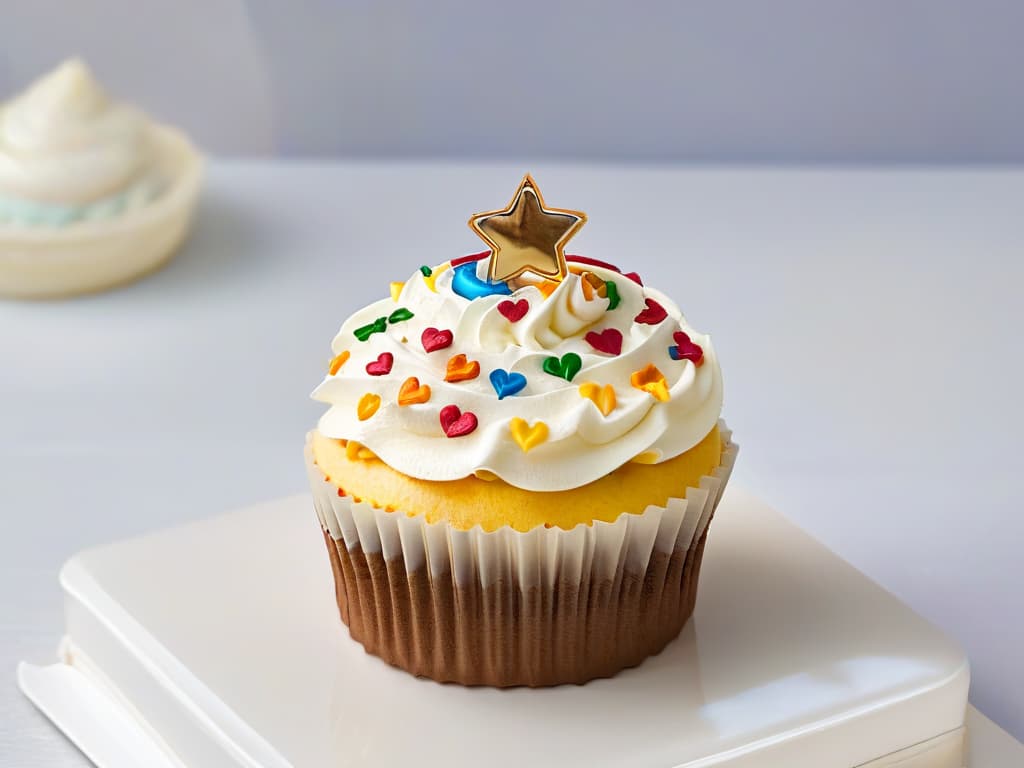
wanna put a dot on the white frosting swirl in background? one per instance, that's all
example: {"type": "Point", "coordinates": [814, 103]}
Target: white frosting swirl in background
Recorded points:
{"type": "Point", "coordinates": [68, 152]}
{"type": "Point", "coordinates": [583, 445]}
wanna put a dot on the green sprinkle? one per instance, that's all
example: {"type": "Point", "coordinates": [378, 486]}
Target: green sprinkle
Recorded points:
{"type": "Point", "coordinates": [377, 326]}
{"type": "Point", "coordinates": [427, 271]}
{"type": "Point", "coordinates": [566, 368]}
{"type": "Point", "coordinates": [613, 295]}
{"type": "Point", "coordinates": [399, 315]}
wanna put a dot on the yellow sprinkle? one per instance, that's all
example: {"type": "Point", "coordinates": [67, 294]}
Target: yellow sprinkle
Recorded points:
{"type": "Point", "coordinates": [432, 279]}
{"type": "Point", "coordinates": [652, 381]}
{"type": "Point", "coordinates": [396, 290]}
{"type": "Point", "coordinates": [528, 437]}
{"type": "Point", "coordinates": [355, 450]}
{"type": "Point", "coordinates": [368, 405]}
{"type": "Point", "coordinates": [602, 397]}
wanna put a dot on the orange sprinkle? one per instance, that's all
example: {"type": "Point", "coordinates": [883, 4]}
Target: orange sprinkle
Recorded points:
{"type": "Point", "coordinates": [337, 361]}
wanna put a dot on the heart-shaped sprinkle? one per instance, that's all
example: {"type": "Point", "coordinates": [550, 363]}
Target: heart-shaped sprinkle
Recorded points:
{"type": "Point", "coordinates": [507, 383]}
{"type": "Point", "coordinates": [514, 311]}
{"type": "Point", "coordinates": [613, 295]}
{"type": "Point", "coordinates": [455, 423]}
{"type": "Point", "coordinates": [608, 341]}
{"type": "Point", "coordinates": [412, 392]}
{"type": "Point", "coordinates": [652, 381]}
{"type": "Point", "coordinates": [652, 315]}
{"type": "Point", "coordinates": [433, 339]}
{"type": "Point", "coordinates": [527, 436]}
{"type": "Point", "coordinates": [399, 315]}
{"type": "Point", "coordinates": [382, 365]}
{"type": "Point", "coordinates": [602, 397]}
{"type": "Point", "coordinates": [367, 406]}
{"type": "Point", "coordinates": [366, 331]}
{"type": "Point", "coordinates": [634, 277]}
{"type": "Point", "coordinates": [460, 368]}
{"type": "Point", "coordinates": [337, 361]}
{"type": "Point", "coordinates": [566, 367]}
{"type": "Point", "coordinates": [686, 349]}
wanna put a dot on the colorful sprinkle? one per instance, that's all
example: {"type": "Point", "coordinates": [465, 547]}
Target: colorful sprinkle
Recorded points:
{"type": "Point", "coordinates": [566, 367]}
{"type": "Point", "coordinates": [686, 349]}
{"type": "Point", "coordinates": [431, 280]}
{"type": "Point", "coordinates": [506, 383]}
{"type": "Point", "coordinates": [432, 339]}
{"type": "Point", "coordinates": [396, 290]}
{"type": "Point", "coordinates": [546, 288]}
{"type": "Point", "coordinates": [355, 450]}
{"type": "Point", "coordinates": [367, 406]}
{"type": "Point", "coordinates": [613, 295]}
{"type": "Point", "coordinates": [377, 326]}
{"type": "Point", "coordinates": [382, 365]}
{"type": "Point", "coordinates": [514, 311]}
{"type": "Point", "coordinates": [593, 285]}
{"type": "Point", "coordinates": [602, 397]}
{"type": "Point", "coordinates": [652, 315]}
{"type": "Point", "coordinates": [399, 315]}
{"type": "Point", "coordinates": [608, 341]}
{"type": "Point", "coordinates": [455, 423]}
{"type": "Point", "coordinates": [528, 437]}
{"type": "Point", "coordinates": [652, 381]}
{"type": "Point", "coordinates": [634, 277]}
{"type": "Point", "coordinates": [427, 271]}
{"type": "Point", "coordinates": [337, 361]}
{"type": "Point", "coordinates": [412, 392]}
{"type": "Point", "coordinates": [460, 368]}
{"type": "Point", "coordinates": [467, 285]}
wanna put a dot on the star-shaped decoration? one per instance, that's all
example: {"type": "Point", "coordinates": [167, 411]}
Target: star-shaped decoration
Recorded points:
{"type": "Point", "coordinates": [526, 236]}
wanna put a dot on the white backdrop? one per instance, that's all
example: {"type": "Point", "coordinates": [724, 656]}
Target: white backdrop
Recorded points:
{"type": "Point", "coordinates": [724, 80]}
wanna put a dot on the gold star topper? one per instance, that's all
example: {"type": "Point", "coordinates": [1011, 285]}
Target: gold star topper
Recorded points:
{"type": "Point", "coordinates": [526, 236]}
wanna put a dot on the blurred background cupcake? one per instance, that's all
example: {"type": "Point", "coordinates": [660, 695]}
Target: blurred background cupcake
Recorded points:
{"type": "Point", "coordinates": [92, 192]}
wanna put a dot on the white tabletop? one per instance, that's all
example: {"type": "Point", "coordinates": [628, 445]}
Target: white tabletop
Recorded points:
{"type": "Point", "coordinates": [866, 321]}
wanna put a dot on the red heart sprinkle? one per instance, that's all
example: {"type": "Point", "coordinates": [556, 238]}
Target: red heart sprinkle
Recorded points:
{"type": "Point", "coordinates": [434, 339]}
{"type": "Point", "coordinates": [514, 311]}
{"type": "Point", "coordinates": [634, 277]}
{"type": "Point", "coordinates": [455, 423]}
{"type": "Point", "coordinates": [686, 349]}
{"type": "Point", "coordinates": [653, 315]}
{"type": "Point", "coordinates": [382, 365]}
{"type": "Point", "coordinates": [608, 341]}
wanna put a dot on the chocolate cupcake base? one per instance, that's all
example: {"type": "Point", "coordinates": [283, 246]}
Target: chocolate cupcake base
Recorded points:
{"type": "Point", "coordinates": [501, 636]}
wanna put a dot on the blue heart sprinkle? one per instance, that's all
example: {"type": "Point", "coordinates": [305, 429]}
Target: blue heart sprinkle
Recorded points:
{"type": "Point", "coordinates": [673, 352]}
{"type": "Point", "coordinates": [506, 383]}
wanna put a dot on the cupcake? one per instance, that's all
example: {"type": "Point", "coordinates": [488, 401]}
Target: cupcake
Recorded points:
{"type": "Point", "coordinates": [519, 463]}
{"type": "Point", "coordinates": [92, 192]}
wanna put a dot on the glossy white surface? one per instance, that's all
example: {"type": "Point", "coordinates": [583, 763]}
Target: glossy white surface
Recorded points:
{"type": "Point", "coordinates": [225, 637]}
{"type": "Point", "coordinates": [118, 414]}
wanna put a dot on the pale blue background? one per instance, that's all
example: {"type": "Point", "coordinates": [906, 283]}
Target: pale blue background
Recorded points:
{"type": "Point", "coordinates": [857, 81]}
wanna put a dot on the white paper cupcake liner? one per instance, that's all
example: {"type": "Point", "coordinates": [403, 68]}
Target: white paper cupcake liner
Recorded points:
{"type": "Point", "coordinates": [507, 607]}
{"type": "Point", "coordinates": [535, 557]}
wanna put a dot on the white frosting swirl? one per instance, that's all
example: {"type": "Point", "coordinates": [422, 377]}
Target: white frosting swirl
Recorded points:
{"type": "Point", "coordinates": [582, 444]}
{"type": "Point", "coordinates": [68, 152]}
